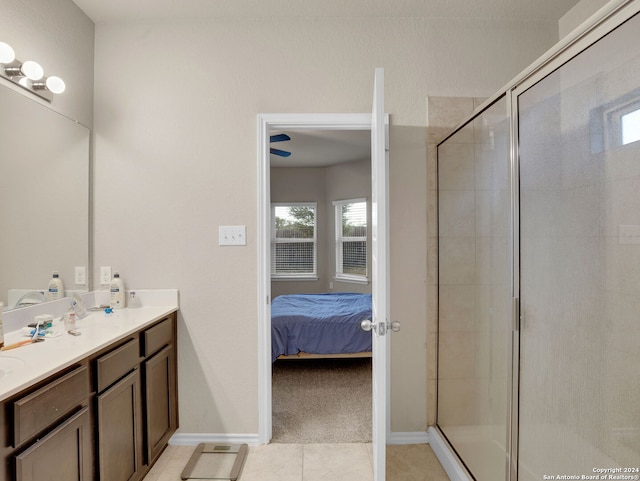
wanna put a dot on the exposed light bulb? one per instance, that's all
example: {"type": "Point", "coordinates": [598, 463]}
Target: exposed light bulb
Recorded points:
{"type": "Point", "coordinates": [55, 84]}
{"type": "Point", "coordinates": [29, 74]}
{"type": "Point", "coordinates": [7, 55]}
{"type": "Point", "coordinates": [32, 70]}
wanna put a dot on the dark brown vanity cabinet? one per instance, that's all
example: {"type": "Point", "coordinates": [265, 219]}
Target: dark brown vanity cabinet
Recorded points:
{"type": "Point", "coordinates": [136, 407]}
{"type": "Point", "coordinates": [161, 414]}
{"type": "Point", "coordinates": [52, 432]}
{"type": "Point", "coordinates": [106, 418]}
{"type": "Point", "coordinates": [64, 454]}
{"type": "Point", "coordinates": [120, 430]}
{"type": "Point", "coordinates": [119, 413]}
{"type": "Point", "coordinates": [137, 402]}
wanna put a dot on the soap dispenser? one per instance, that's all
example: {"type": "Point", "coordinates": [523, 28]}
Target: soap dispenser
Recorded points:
{"type": "Point", "coordinates": [116, 292]}
{"type": "Point", "coordinates": [56, 288]}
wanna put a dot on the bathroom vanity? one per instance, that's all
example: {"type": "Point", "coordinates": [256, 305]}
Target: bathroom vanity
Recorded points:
{"type": "Point", "coordinates": [101, 405]}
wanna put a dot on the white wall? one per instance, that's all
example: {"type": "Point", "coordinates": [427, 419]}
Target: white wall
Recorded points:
{"type": "Point", "coordinates": [176, 107]}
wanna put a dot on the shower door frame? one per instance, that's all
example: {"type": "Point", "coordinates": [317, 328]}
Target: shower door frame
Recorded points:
{"type": "Point", "coordinates": [605, 20]}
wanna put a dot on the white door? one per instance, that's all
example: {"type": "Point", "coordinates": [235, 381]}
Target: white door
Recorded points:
{"type": "Point", "coordinates": [380, 275]}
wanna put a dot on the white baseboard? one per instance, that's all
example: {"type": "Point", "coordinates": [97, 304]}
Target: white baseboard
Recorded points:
{"type": "Point", "coordinates": [415, 437]}
{"type": "Point", "coordinates": [448, 459]}
{"type": "Point", "coordinates": [193, 439]}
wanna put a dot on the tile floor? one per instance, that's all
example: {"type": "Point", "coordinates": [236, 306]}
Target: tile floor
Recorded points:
{"type": "Point", "coordinates": [314, 462]}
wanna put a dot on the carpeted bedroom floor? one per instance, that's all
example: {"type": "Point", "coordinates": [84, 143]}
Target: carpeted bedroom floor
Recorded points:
{"type": "Point", "coordinates": [321, 401]}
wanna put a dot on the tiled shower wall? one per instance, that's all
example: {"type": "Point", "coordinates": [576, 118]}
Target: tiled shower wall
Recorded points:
{"type": "Point", "coordinates": [443, 114]}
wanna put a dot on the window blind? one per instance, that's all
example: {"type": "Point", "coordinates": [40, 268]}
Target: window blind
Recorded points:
{"type": "Point", "coordinates": [293, 240]}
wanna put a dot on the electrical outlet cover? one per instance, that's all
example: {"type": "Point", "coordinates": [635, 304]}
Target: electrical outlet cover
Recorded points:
{"type": "Point", "coordinates": [105, 275]}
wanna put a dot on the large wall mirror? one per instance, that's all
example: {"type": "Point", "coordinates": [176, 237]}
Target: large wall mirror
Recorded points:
{"type": "Point", "coordinates": [44, 198]}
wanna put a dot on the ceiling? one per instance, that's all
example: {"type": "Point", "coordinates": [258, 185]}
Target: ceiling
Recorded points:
{"type": "Point", "coordinates": [104, 11]}
{"type": "Point", "coordinates": [319, 148]}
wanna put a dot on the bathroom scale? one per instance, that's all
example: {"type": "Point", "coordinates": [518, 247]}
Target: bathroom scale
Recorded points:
{"type": "Point", "coordinates": [216, 461]}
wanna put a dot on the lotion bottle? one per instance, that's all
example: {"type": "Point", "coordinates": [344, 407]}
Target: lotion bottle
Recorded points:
{"type": "Point", "coordinates": [116, 291]}
{"type": "Point", "coordinates": [56, 288]}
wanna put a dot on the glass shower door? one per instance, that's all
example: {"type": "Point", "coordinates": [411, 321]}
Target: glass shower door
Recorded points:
{"type": "Point", "coordinates": [579, 134]}
{"type": "Point", "coordinates": [474, 283]}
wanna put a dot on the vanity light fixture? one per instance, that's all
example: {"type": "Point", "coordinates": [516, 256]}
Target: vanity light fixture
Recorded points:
{"type": "Point", "coordinates": [28, 75]}
{"type": "Point", "coordinates": [7, 55]}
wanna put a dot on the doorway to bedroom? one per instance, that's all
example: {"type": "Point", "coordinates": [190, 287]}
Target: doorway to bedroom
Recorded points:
{"type": "Point", "coordinates": [318, 198]}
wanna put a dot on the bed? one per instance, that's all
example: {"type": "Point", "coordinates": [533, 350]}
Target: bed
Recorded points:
{"type": "Point", "coordinates": [320, 325]}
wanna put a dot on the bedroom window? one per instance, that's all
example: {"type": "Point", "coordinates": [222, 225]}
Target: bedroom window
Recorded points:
{"type": "Point", "coordinates": [293, 241]}
{"type": "Point", "coordinates": [351, 240]}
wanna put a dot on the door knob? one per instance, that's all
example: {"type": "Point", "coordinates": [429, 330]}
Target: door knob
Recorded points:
{"type": "Point", "coordinates": [367, 325]}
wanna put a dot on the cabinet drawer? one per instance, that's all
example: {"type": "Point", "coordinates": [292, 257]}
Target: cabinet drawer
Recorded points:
{"type": "Point", "coordinates": [117, 363]}
{"type": "Point", "coordinates": [156, 337]}
{"type": "Point", "coordinates": [47, 405]}
{"type": "Point", "coordinates": [65, 453]}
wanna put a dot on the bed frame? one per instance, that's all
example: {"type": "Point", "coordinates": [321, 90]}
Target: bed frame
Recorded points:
{"type": "Point", "coordinates": [306, 355]}
{"type": "Point", "coordinates": [320, 326]}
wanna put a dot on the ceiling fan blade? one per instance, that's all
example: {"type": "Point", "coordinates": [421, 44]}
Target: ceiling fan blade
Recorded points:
{"type": "Point", "coordinates": [280, 138]}
{"type": "Point", "coordinates": [281, 153]}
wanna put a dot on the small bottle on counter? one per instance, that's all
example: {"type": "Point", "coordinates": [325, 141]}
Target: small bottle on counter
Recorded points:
{"type": "Point", "coordinates": [56, 288]}
{"type": "Point", "coordinates": [69, 321]}
{"type": "Point", "coordinates": [116, 292]}
{"type": "Point", "coordinates": [133, 301]}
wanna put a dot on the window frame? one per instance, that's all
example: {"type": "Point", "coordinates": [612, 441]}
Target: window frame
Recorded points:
{"type": "Point", "coordinates": [606, 122]}
{"type": "Point", "coordinates": [340, 239]}
{"type": "Point", "coordinates": [287, 276]}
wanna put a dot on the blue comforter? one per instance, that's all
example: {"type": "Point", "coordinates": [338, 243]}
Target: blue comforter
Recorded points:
{"type": "Point", "coordinates": [319, 323]}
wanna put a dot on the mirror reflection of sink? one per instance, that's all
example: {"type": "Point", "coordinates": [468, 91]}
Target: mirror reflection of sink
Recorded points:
{"type": "Point", "coordinates": [31, 298]}
{"type": "Point", "coordinates": [8, 364]}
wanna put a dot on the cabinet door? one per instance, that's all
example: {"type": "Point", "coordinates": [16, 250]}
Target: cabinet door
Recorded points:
{"type": "Point", "coordinates": [120, 430]}
{"type": "Point", "coordinates": [62, 455]}
{"type": "Point", "coordinates": [160, 392]}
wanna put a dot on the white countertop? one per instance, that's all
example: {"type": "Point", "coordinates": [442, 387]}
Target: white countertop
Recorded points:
{"type": "Point", "coordinates": [23, 366]}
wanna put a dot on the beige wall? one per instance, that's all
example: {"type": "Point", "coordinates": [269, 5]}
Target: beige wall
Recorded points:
{"type": "Point", "coordinates": [175, 157]}
{"type": "Point", "coordinates": [577, 15]}
{"type": "Point", "coordinates": [291, 184]}
{"type": "Point", "coordinates": [322, 185]}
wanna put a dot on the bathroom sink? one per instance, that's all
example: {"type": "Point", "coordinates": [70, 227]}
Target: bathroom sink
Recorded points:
{"type": "Point", "coordinates": [8, 364]}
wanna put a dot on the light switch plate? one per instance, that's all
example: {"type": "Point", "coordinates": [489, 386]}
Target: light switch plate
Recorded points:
{"type": "Point", "coordinates": [232, 235]}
